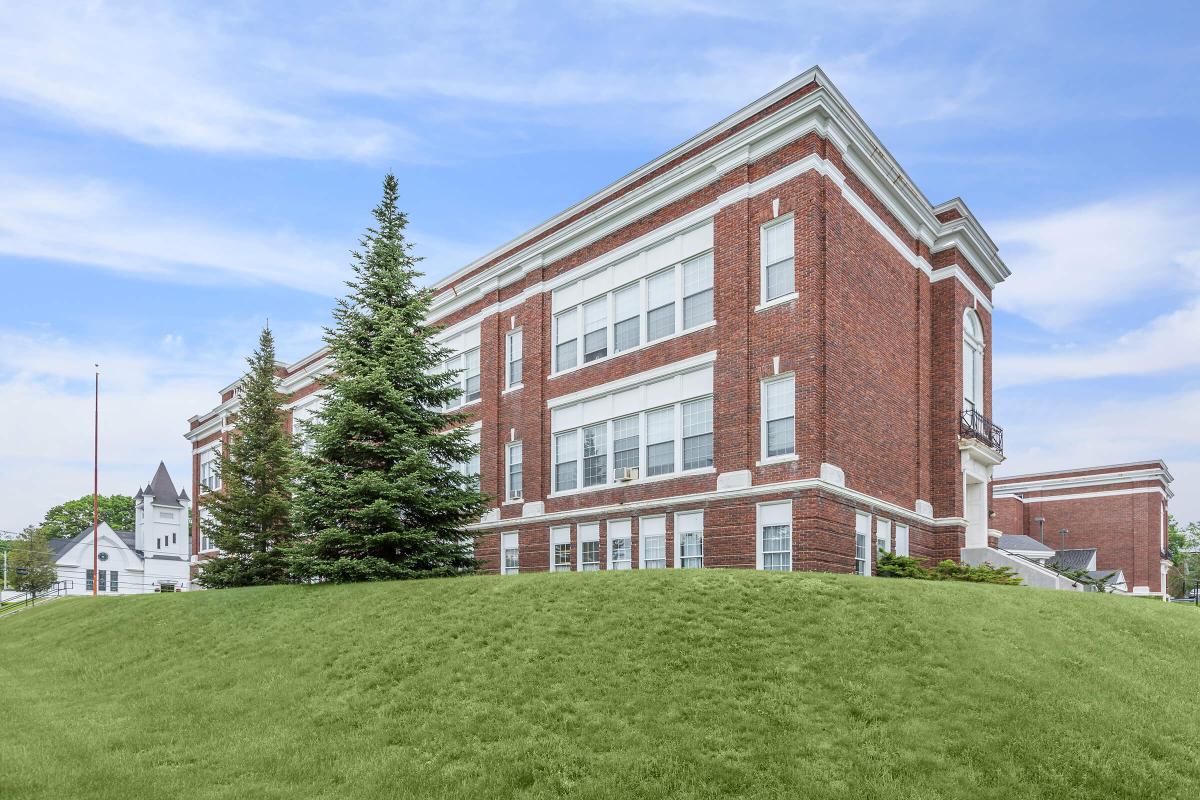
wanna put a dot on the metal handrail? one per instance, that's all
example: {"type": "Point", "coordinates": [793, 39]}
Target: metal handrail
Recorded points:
{"type": "Point", "coordinates": [58, 589]}
{"type": "Point", "coordinates": [973, 425]}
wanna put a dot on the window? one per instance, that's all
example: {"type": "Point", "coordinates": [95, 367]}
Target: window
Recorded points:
{"type": "Point", "coordinates": [566, 340]}
{"type": "Point", "coordinates": [901, 539]}
{"type": "Point", "coordinates": [470, 467]}
{"type": "Point", "coordinates": [589, 547]}
{"type": "Point", "coordinates": [660, 441]}
{"type": "Point", "coordinates": [516, 455]}
{"type": "Point", "coordinates": [206, 543]}
{"type": "Point", "coordinates": [775, 536]}
{"type": "Point", "coordinates": [595, 454]}
{"type": "Point", "coordinates": [862, 543]}
{"type": "Point", "coordinates": [626, 445]}
{"type": "Point", "coordinates": [778, 243]}
{"type": "Point", "coordinates": [560, 549]}
{"type": "Point", "coordinates": [173, 539]}
{"type": "Point", "coordinates": [595, 330]}
{"type": "Point", "coordinates": [883, 536]}
{"type": "Point", "coordinates": [627, 311]}
{"type": "Point", "coordinates": [112, 580]}
{"type": "Point", "coordinates": [779, 416]}
{"type": "Point", "coordinates": [678, 298]}
{"type": "Point", "coordinates": [653, 542]}
{"type": "Point", "coordinates": [676, 438]}
{"type": "Point", "coordinates": [972, 362]}
{"type": "Point", "coordinates": [566, 455]}
{"type": "Point", "coordinates": [660, 299]}
{"type": "Point", "coordinates": [697, 433]}
{"type": "Point", "coordinates": [513, 346]}
{"type": "Point", "coordinates": [103, 585]}
{"type": "Point", "coordinates": [509, 554]}
{"type": "Point", "coordinates": [620, 550]}
{"type": "Point", "coordinates": [697, 291]}
{"type": "Point", "coordinates": [90, 578]}
{"type": "Point", "coordinates": [689, 539]}
{"type": "Point", "coordinates": [158, 544]}
{"type": "Point", "coordinates": [210, 481]}
{"type": "Point", "coordinates": [465, 367]}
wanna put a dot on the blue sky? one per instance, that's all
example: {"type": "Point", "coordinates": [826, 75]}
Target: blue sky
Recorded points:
{"type": "Point", "coordinates": [172, 177]}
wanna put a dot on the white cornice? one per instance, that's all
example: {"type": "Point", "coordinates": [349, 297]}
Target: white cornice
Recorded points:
{"type": "Point", "coordinates": [1017, 488]}
{"type": "Point", "coordinates": [823, 110]}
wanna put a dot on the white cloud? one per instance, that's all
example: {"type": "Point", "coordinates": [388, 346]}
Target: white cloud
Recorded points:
{"type": "Point", "coordinates": [1168, 342]}
{"type": "Point", "coordinates": [1071, 264]}
{"type": "Point", "coordinates": [1043, 436]}
{"type": "Point", "coordinates": [147, 395]}
{"type": "Point", "coordinates": [155, 78]}
{"type": "Point", "coordinates": [96, 223]}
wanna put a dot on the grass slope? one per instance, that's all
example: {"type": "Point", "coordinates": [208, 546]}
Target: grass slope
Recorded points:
{"type": "Point", "coordinates": [650, 684]}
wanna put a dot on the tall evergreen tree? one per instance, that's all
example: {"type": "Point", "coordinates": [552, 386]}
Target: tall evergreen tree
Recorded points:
{"type": "Point", "coordinates": [249, 518]}
{"type": "Point", "coordinates": [380, 495]}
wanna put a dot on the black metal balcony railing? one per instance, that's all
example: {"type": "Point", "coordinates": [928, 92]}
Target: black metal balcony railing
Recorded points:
{"type": "Point", "coordinates": [973, 425]}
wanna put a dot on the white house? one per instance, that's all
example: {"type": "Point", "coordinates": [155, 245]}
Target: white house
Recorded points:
{"type": "Point", "coordinates": [153, 557]}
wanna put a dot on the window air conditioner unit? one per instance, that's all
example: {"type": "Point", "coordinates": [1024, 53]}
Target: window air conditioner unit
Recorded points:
{"type": "Point", "coordinates": [625, 474]}
{"type": "Point", "coordinates": [515, 495]}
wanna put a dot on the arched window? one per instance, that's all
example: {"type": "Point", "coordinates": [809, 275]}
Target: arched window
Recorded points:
{"type": "Point", "coordinates": [972, 362]}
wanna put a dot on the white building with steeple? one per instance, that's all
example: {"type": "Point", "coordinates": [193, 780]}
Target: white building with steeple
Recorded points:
{"type": "Point", "coordinates": [153, 557]}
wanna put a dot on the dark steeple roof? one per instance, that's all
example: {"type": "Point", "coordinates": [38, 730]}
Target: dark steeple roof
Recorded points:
{"type": "Point", "coordinates": [182, 495]}
{"type": "Point", "coordinates": [163, 488]}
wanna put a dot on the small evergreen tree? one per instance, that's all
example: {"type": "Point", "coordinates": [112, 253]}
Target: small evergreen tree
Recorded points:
{"type": "Point", "coordinates": [380, 496]}
{"type": "Point", "coordinates": [31, 562]}
{"type": "Point", "coordinates": [249, 519]}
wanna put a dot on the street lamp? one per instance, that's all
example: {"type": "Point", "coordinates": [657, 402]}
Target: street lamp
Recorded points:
{"type": "Point", "coordinates": [1041, 521]}
{"type": "Point", "coordinates": [1062, 535]}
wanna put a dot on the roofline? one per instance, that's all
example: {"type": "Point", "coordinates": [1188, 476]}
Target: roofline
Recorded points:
{"type": "Point", "coordinates": [814, 74]}
{"type": "Point", "coordinates": [1027, 475]}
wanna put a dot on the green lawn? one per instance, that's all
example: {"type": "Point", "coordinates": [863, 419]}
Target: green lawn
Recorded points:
{"type": "Point", "coordinates": [644, 684]}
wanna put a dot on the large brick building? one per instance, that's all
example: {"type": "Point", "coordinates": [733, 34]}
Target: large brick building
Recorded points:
{"type": "Point", "coordinates": [1119, 511]}
{"type": "Point", "coordinates": [765, 348]}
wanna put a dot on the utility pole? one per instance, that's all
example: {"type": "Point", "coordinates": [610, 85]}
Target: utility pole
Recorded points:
{"type": "Point", "coordinates": [96, 492]}
{"type": "Point", "coordinates": [1062, 535]}
{"type": "Point", "coordinates": [1041, 521]}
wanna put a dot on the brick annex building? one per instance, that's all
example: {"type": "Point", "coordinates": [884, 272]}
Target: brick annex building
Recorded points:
{"type": "Point", "coordinates": [1118, 511]}
{"type": "Point", "coordinates": [765, 348]}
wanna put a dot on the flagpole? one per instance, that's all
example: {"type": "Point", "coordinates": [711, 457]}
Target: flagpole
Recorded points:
{"type": "Point", "coordinates": [96, 492]}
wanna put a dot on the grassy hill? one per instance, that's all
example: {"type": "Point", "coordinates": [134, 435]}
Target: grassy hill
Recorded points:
{"type": "Point", "coordinates": [651, 684]}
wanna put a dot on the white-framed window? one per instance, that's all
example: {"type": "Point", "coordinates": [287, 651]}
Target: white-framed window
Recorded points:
{"type": "Point", "coordinates": [676, 439]}
{"type": "Point", "coordinates": [620, 544]}
{"type": "Point", "coordinates": [566, 339]}
{"type": "Point", "coordinates": [678, 298]}
{"type": "Point", "coordinates": [689, 539]}
{"type": "Point", "coordinates": [514, 488]}
{"type": "Point", "coordinates": [210, 481]}
{"type": "Point", "coordinates": [626, 443]}
{"type": "Point", "coordinates": [510, 554]}
{"type": "Point", "coordinates": [862, 543]}
{"type": "Point", "coordinates": [972, 362]}
{"type": "Point", "coordinates": [901, 539]}
{"type": "Point", "coordinates": [660, 441]}
{"type": "Point", "coordinates": [660, 304]}
{"type": "Point", "coordinates": [627, 318]}
{"type": "Point", "coordinates": [778, 247]}
{"type": "Point", "coordinates": [589, 547]}
{"type": "Point", "coordinates": [514, 345]}
{"type": "Point", "coordinates": [775, 536]}
{"type": "Point", "coordinates": [566, 461]}
{"type": "Point", "coordinates": [595, 330]}
{"type": "Point", "coordinates": [595, 454]}
{"type": "Point", "coordinates": [113, 581]}
{"type": "Point", "coordinates": [779, 416]}
{"type": "Point", "coordinates": [883, 536]}
{"type": "Point", "coordinates": [466, 365]}
{"type": "Point", "coordinates": [652, 542]}
{"type": "Point", "coordinates": [697, 291]}
{"type": "Point", "coordinates": [470, 467]}
{"type": "Point", "coordinates": [560, 549]}
{"type": "Point", "coordinates": [206, 543]}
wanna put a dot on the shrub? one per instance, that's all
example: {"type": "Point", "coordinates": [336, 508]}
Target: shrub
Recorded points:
{"type": "Point", "coordinates": [889, 565]}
